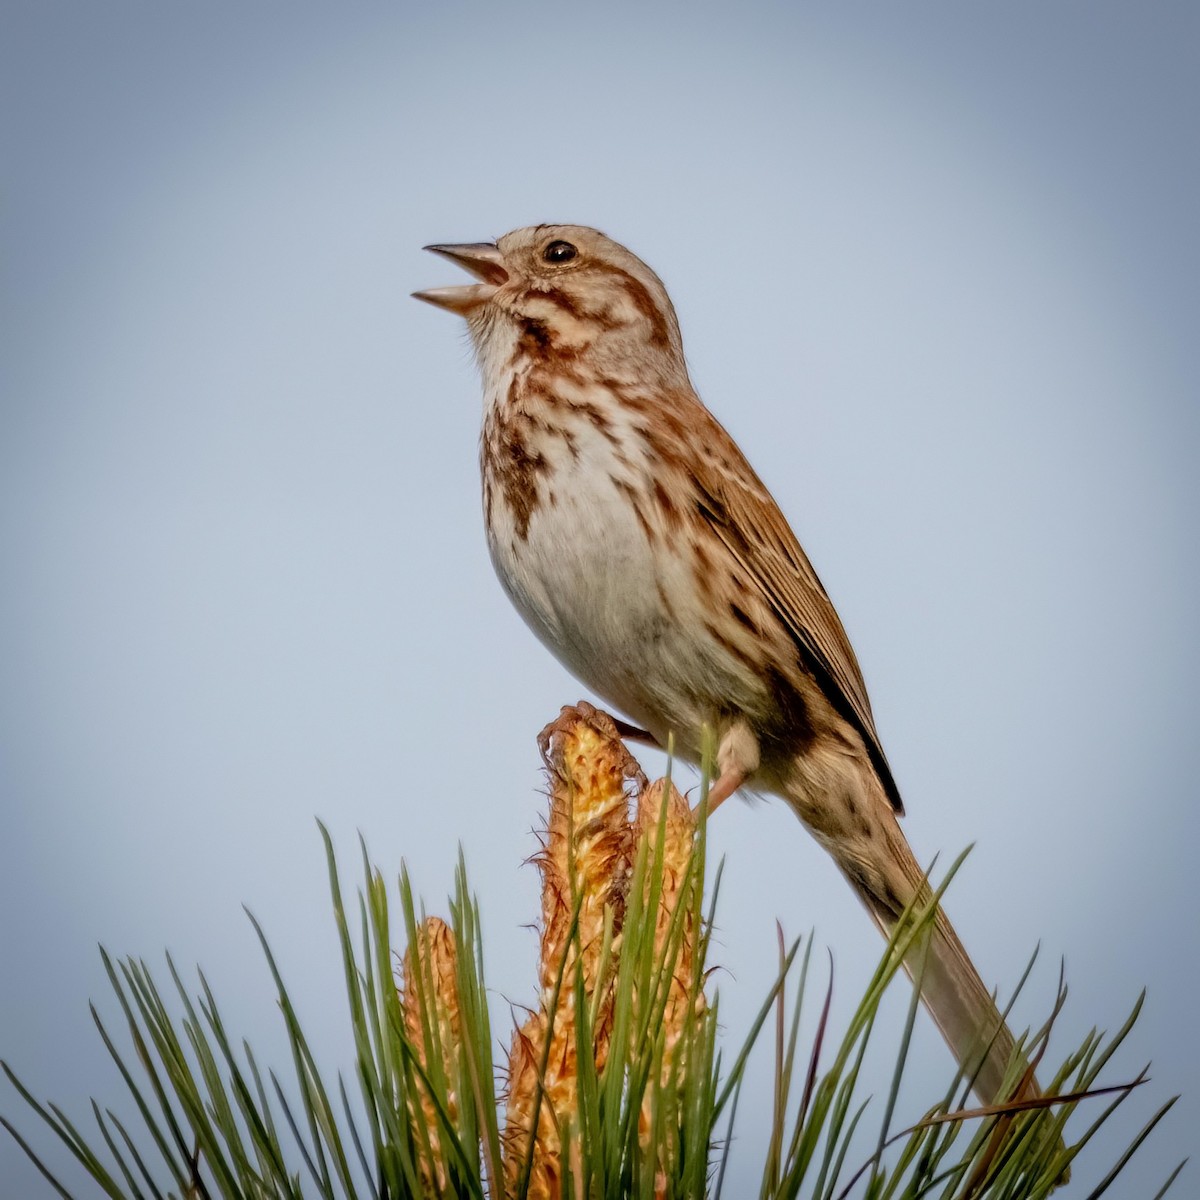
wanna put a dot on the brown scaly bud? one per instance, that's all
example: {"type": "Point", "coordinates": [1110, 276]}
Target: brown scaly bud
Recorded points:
{"type": "Point", "coordinates": [679, 835]}
{"type": "Point", "coordinates": [588, 850]}
{"type": "Point", "coordinates": [429, 1001]}
{"type": "Point", "coordinates": [557, 1103]}
{"type": "Point", "coordinates": [585, 860]}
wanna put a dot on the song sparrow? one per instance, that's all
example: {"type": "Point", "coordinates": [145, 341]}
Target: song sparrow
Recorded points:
{"type": "Point", "coordinates": [637, 542]}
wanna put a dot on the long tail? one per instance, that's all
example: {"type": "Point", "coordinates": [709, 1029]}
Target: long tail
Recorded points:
{"type": "Point", "coordinates": [961, 1005]}
{"type": "Point", "coordinates": [874, 856]}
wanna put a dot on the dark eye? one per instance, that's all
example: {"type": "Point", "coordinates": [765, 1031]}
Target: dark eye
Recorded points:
{"type": "Point", "coordinates": [559, 252]}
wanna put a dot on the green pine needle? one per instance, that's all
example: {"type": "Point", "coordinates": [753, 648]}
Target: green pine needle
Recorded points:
{"type": "Point", "coordinates": [205, 1124]}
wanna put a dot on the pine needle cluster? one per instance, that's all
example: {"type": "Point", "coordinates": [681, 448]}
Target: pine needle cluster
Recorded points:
{"type": "Point", "coordinates": [614, 1085]}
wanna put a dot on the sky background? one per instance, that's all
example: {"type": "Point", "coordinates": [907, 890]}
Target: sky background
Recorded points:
{"type": "Point", "coordinates": [936, 268]}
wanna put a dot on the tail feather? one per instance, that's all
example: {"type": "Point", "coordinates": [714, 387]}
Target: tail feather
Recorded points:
{"type": "Point", "coordinates": [843, 803]}
{"type": "Point", "coordinates": [961, 1005]}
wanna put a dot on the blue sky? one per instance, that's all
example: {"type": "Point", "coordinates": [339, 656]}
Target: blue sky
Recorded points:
{"type": "Point", "coordinates": [936, 270]}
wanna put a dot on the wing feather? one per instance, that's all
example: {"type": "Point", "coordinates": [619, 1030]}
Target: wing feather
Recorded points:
{"type": "Point", "coordinates": [743, 514]}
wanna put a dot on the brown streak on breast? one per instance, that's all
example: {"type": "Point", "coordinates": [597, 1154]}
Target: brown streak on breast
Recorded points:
{"type": "Point", "coordinates": [631, 494]}
{"type": "Point", "coordinates": [567, 373]}
{"type": "Point", "coordinates": [509, 462]}
{"type": "Point", "coordinates": [599, 420]}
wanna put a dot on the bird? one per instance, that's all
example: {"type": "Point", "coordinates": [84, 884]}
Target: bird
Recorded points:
{"type": "Point", "coordinates": [640, 546]}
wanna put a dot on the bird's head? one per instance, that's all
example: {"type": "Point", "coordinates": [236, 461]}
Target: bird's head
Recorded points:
{"type": "Point", "coordinates": [564, 291]}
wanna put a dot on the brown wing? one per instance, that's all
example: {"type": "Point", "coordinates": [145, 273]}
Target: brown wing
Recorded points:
{"type": "Point", "coordinates": [744, 516]}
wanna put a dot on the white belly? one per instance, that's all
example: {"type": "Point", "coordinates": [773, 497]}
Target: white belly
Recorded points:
{"type": "Point", "coordinates": [622, 615]}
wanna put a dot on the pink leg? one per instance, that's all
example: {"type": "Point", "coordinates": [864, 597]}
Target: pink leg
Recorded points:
{"type": "Point", "coordinates": [737, 760]}
{"type": "Point", "coordinates": [723, 787]}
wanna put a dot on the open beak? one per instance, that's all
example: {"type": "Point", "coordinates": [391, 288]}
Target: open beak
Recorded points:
{"type": "Point", "coordinates": [484, 261]}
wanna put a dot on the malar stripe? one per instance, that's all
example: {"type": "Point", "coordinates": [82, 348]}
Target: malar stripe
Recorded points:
{"type": "Point", "coordinates": [535, 339]}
